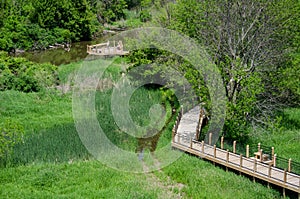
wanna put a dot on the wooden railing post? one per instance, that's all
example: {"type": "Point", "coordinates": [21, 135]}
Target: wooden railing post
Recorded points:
{"type": "Point", "coordinates": [254, 168]}
{"type": "Point", "coordinates": [274, 160]}
{"type": "Point", "coordinates": [115, 46]}
{"type": "Point", "coordinates": [290, 165]}
{"type": "Point", "coordinates": [247, 151]}
{"type": "Point", "coordinates": [269, 171]}
{"type": "Point", "coordinates": [227, 159]}
{"type": "Point", "coordinates": [261, 154]}
{"type": "Point", "coordinates": [222, 142]}
{"type": "Point", "coordinates": [202, 146]}
{"type": "Point", "coordinates": [284, 180]}
{"type": "Point", "coordinates": [210, 138]}
{"type": "Point", "coordinates": [269, 174]}
{"type": "Point", "coordinates": [227, 156]}
{"type": "Point", "coordinates": [234, 146]}
{"type": "Point", "coordinates": [215, 151]}
{"type": "Point", "coordinates": [272, 153]}
{"type": "Point", "coordinates": [191, 144]}
{"type": "Point", "coordinates": [284, 176]}
{"type": "Point", "coordinates": [299, 189]}
{"type": "Point", "coordinates": [241, 160]}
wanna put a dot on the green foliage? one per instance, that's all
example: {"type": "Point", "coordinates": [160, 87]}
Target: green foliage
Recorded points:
{"type": "Point", "coordinates": [109, 11]}
{"type": "Point", "coordinates": [145, 16]}
{"type": "Point", "coordinates": [37, 24]}
{"type": "Point", "coordinates": [74, 16]}
{"type": "Point", "coordinates": [11, 133]}
{"type": "Point", "coordinates": [22, 75]}
{"type": "Point", "coordinates": [239, 111]}
{"type": "Point", "coordinates": [259, 74]}
{"type": "Point", "coordinates": [52, 154]}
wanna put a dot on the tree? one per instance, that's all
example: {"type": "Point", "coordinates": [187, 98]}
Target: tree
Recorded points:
{"type": "Point", "coordinates": [245, 40]}
{"type": "Point", "coordinates": [110, 10]}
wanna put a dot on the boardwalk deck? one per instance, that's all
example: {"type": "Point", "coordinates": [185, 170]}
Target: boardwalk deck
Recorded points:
{"type": "Point", "coordinates": [183, 139]}
{"type": "Point", "coordinates": [107, 49]}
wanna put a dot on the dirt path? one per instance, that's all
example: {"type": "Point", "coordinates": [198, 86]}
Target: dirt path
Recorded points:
{"type": "Point", "coordinates": [170, 188]}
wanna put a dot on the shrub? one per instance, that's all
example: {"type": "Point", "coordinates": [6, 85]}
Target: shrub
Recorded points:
{"type": "Point", "coordinates": [22, 75]}
{"type": "Point", "coordinates": [11, 133]}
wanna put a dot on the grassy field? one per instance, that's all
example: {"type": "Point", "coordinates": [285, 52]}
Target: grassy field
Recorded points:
{"type": "Point", "coordinates": [286, 139]}
{"type": "Point", "coordinates": [53, 163]}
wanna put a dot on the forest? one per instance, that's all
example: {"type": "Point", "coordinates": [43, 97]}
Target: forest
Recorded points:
{"type": "Point", "coordinates": [255, 45]}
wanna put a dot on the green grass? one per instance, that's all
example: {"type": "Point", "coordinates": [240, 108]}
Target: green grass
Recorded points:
{"type": "Point", "coordinates": [35, 111]}
{"type": "Point", "coordinates": [73, 180]}
{"type": "Point", "coordinates": [285, 140]}
{"type": "Point", "coordinates": [53, 163]}
{"type": "Point", "coordinates": [90, 179]}
{"type": "Point", "coordinates": [51, 136]}
{"type": "Point", "coordinates": [203, 180]}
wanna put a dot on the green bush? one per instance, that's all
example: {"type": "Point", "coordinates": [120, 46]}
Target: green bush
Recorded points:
{"type": "Point", "coordinates": [22, 75]}
{"type": "Point", "coordinates": [145, 16]}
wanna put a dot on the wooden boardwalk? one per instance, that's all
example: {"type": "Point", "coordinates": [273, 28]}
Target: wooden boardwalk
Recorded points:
{"type": "Point", "coordinates": [107, 49]}
{"type": "Point", "coordinates": [183, 139]}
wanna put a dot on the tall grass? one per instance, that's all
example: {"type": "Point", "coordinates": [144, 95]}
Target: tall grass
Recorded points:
{"type": "Point", "coordinates": [74, 180]}
{"type": "Point", "coordinates": [35, 111]}
{"type": "Point", "coordinates": [286, 139]}
{"type": "Point", "coordinates": [203, 180]}
{"type": "Point", "coordinates": [53, 163]}
{"type": "Point", "coordinates": [51, 136]}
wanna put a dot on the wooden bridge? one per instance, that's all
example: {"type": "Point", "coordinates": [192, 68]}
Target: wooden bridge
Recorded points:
{"type": "Point", "coordinates": [259, 166]}
{"type": "Point", "coordinates": [107, 49]}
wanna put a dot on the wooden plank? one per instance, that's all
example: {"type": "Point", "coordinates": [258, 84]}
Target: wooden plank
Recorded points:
{"type": "Point", "coordinates": [275, 173]}
{"type": "Point", "coordinates": [244, 165]}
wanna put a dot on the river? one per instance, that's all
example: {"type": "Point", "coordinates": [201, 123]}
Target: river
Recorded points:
{"type": "Point", "coordinates": [60, 56]}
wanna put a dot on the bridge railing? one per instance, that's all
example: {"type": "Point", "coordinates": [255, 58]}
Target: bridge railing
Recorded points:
{"type": "Point", "coordinates": [239, 161]}
{"type": "Point", "coordinates": [268, 152]}
{"type": "Point", "coordinates": [108, 48]}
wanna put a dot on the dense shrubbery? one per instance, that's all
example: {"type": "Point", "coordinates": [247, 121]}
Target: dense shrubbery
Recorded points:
{"type": "Point", "coordinates": [22, 75]}
{"type": "Point", "coordinates": [32, 24]}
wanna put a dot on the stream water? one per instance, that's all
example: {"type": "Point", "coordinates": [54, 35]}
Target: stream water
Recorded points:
{"type": "Point", "coordinates": [61, 56]}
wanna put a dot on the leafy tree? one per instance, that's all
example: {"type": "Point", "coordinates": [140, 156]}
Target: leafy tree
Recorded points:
{"type": "Point", "coordinates": [75, 16]}
{"type": "Point", "coordinates": [33, 24]}
{"type": "Point", "coordinates": [247, 41]}
{"type": "Point", "coordinates": [110, 10]}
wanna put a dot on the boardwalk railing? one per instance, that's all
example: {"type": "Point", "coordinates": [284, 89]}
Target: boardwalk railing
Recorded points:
{"type": "Point", "coordinates": [266, 151]}
{"type": "Point", "coordinates": [175, 127]}
{"type": "Point", "coordinates": [108, 48]}
{"type": "Point", "coordinates": [250, 166]}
